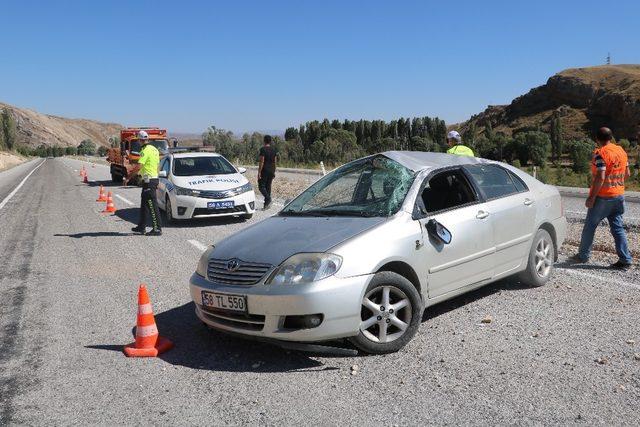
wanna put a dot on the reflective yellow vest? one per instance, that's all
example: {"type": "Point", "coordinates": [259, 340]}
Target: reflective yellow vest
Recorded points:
{"type": "Point", "coordinates": [149, 161]}
{"type": "Point", "coordinates": [460, 150]}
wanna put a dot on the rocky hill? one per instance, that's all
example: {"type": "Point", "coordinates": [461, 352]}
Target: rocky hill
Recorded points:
{"type": "Point", "coordinates": [35, 129]}
{"type": "Point", "coordinates": [584, 99]}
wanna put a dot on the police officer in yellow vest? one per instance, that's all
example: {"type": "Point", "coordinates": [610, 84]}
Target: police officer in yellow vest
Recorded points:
{"type": "Point", "coordinates": [455, 142]}
{"type": "Point", "coordinates": [147, 167]}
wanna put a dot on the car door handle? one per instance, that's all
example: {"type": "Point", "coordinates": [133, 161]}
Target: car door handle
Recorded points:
{"type": "Point", "coordinates": [528, 202]}
{"type": "Point", "coordinates": [482, 214]}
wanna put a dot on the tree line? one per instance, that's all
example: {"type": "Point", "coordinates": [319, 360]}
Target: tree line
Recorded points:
{"type": "Point", "coordinates": [87, 146]}
{"type": "Point", "coordinates": [335, 142]}
{"type": "Point", "coordinates": [8, 133]}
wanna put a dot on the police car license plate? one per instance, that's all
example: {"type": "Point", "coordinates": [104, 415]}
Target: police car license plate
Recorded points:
{"type": "Point", "coordinates": [221, 205]}
{"type": "Point", "coordinates": [224, 301]}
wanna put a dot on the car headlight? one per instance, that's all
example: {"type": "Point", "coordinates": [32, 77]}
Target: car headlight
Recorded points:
{"type": "Point", "coordinates": [186, 192]}
{"type": "Point", "coordinates": [305, 268]}
{"type": "Point", "coordinates": [244, 188]}
{"type": "Point", "coordinates": [203, 264]}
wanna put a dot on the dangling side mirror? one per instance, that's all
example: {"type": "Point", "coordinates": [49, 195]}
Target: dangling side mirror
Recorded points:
{"type": "Point", "coordinates": [438, 231]}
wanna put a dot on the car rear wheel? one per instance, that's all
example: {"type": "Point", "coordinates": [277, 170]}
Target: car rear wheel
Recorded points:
{"type": "Point", "coordinates": [168, 211]}
{"type": "Point", "coordinates": [540, 262]}
{"type": "Point", "coordinates": [390, 314]}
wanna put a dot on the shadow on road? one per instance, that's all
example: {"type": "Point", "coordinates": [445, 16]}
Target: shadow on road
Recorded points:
{"type": "Point", "coordinates": [197, 347]}
{"type": "Point", "coordinates": [509, 284]}
{"type": "Point", "coordinates": [107, 183]}
{"type": "Point", "coordinates": [96, 234]}
{"type": "Point", "coordinates": [577, 266]}
{"type": "Point", "coordinates": [131, 215]}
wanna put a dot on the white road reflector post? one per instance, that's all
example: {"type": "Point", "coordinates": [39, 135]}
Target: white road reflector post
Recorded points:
{"type": "Point", "coordinates": [324, 171]}
{"type": "Point", "coordinates": [535, 172]}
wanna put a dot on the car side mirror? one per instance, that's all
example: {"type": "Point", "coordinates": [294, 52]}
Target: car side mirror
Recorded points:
{"type": "Point", "coordinates": [162, 174]}
{"type": "Point", "coordinates": [438, 231]}
{"type": "Point", "coordinates": [242, 170]}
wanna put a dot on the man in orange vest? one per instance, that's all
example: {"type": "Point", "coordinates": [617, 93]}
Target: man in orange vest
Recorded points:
{"type": "Point", "coordinates": [610, 167]}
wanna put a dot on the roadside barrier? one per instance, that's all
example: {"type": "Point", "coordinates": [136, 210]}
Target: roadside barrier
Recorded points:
{"type": "Point", "coordinates": [101, 196]}
{"type": "Point", "coordinates": [110, 208]}
{"type": "Point", "coordinates": [148, 342]}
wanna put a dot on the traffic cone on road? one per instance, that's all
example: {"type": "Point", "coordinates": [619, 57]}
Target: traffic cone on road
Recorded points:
{"type": "Point", "coordinates": [101, 196]}
{"type": "Point", "coordinates": [110, 208]}
{"type": "Point", "coordinates": [82, 172]}
{"type": "Point", "coordinates": [148, 343]}
{"type": "Point", "coordinates": [85, 179]}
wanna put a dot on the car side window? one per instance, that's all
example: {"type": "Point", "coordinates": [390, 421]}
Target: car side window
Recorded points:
{"type": "Point", "coordinates": [447, 190]}
{"type": "Point", "coordinates": [520, 185]}
{"type": "Point", "coordinates": [494, 181]}
{"type": "Point", "coordinates": [165, 166]}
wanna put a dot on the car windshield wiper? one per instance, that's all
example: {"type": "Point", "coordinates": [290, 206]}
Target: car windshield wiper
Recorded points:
{"type": "Point", "coordinates": [331, 212]}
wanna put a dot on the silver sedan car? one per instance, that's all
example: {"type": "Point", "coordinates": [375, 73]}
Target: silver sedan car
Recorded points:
{"type": "Point", "coordinates": [362, 252]}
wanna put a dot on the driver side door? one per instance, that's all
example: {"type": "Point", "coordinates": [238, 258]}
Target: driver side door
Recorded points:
{"type": "Point", "coordinates": [449, 198]}
{"type": "Point", "coordinates": [163, 182]}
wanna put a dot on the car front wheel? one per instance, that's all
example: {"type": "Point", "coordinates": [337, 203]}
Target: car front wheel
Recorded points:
{"type": "Point", "coordinates": [168, 211]}
{"type": "Point", "coordinates": [390, 314]}
{"type": "Point", "coordinates": [540, 261]}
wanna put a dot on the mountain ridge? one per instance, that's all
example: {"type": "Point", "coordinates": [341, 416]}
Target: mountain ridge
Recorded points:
{"type": "Point", "coordinates": [34, 128]}
{"type": "Point", "coordinates": [584, 98]}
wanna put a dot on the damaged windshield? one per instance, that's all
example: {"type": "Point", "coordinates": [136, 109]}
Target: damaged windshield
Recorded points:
{"type": "Point", "coordinates": [374, 186]}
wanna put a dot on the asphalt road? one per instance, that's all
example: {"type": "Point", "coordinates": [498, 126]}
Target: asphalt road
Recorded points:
{"type": "Point", "coordinates": [68, 283]}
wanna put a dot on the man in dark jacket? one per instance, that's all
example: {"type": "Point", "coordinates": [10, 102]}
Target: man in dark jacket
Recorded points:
{"type": "Point", "coordinates": [266, 169]}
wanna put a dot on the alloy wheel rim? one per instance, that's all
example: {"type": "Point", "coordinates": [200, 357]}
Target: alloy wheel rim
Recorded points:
{"type": "Point", "coordinates": [543, 258]}
{"type": "Point", "coordinates": [386, 314]}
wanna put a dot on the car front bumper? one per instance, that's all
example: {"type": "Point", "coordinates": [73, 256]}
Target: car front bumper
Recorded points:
{"type": "Point", "coordinates": [185, 207]}
{"type": "Point", "coordinates": [337, 299]}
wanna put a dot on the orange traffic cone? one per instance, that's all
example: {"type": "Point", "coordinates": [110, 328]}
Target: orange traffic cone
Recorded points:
{"type": "Point", "coordinates": [82, 171]}
{"type": "Point", "coordinates": [110, 208]}
{"type": "Point", "coordinates": [101, 196]}
{"type": "Point", "coordinates": [148, 342]}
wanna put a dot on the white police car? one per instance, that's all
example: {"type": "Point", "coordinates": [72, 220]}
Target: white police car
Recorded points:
{"type": "Point", "coordinates": [198, 184]}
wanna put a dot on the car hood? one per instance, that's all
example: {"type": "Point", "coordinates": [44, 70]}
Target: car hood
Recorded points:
{"type": "Point", "coordinates": [275, 239]}
{"type": "Point", "coordinates": [210, 182]}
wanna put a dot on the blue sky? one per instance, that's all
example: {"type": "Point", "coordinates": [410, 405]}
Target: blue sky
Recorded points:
{"type": "Point", "coordinates": [255, 65]}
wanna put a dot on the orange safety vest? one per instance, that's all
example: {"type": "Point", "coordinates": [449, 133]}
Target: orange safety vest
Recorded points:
{"type": "Point", "coordinates": [615, 159]}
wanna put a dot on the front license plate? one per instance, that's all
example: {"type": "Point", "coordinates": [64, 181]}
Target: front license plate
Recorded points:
{"type": "Point", "coordinates": [221, 205]}
{"type": "Point", "coordinates": [224, 301]}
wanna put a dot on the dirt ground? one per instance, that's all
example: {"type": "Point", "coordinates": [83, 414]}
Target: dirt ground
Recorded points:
{"type": "Point", "coordinates": [9, 160]}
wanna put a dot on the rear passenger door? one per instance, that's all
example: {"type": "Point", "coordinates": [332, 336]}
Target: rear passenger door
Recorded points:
{"type": "Point", "coordinates": [512, 213]}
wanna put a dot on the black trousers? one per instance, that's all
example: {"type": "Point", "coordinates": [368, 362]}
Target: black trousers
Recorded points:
{"type": "Point", "coordinates": [264, 185]}
{"type": "Point", "coordinates": [149, 205]}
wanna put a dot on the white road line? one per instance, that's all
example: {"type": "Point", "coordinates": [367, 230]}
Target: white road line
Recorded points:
{"type": "Point", "coordinates": [15, 190]}
{"type": "Point", "coordinates": [127, 201]}
{"type": "Point", "coordinates": [198, 245]}
{"type": "Point", "coordinates": [601, 279]}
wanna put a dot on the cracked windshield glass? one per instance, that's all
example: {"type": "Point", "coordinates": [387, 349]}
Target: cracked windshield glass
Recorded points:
{"type": "Point", "coordinates": [375, 186]}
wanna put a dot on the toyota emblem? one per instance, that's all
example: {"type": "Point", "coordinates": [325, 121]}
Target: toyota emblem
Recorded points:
{"type": "Point", "coordinates": [233, 264]}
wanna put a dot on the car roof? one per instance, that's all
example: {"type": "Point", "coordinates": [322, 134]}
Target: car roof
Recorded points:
{"type": "Point", "coordinates": [195, 154]}
{"type": "Point", "coordinates": [419, 160]}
